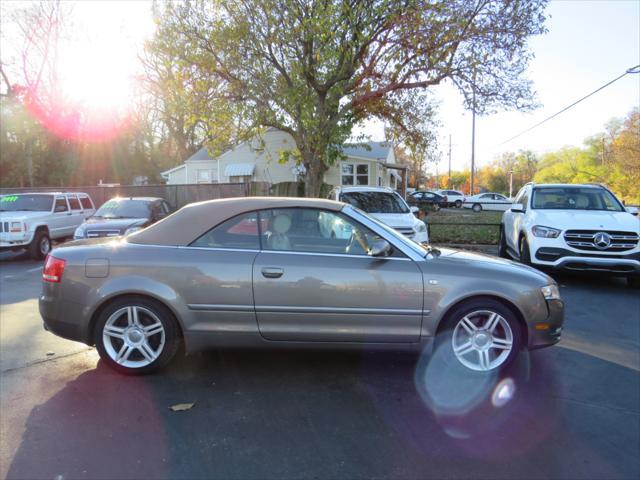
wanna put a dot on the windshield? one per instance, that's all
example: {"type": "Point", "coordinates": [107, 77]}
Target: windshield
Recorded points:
{"type": "Point", "coordinates": [575, 198]}
{"type": "Point", "coordinates": [416, 247]}
{"type": "Point", "coordinates": [375, 202]}
{"type": "Point", "coordinates": [26, 203]}
{"type": "Point", "coordinates": [123, 208]}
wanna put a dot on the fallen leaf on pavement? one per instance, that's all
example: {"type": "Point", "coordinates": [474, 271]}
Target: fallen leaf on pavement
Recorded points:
{"type": "Point", "coordinates": [50, 353]}
{"type": "Point", "coordinates": [179, 407]}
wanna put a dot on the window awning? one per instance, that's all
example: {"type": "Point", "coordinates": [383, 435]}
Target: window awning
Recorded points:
{"type": "Point", "coordinates": [239, 169]}
{"type": "Point", "coordinates": [394, 173]}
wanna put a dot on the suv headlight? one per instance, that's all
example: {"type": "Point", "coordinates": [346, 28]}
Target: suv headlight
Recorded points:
{"type": "Point", "coordinates": [131, 230]}
{"type": "Point", "coordinates": [420, 227]}
{"type": "Point", "coordinates": [79, 233]}
{"type": "Point", "coordinates": [16, 227]}
{"type": "Point", "coordinates": [551, 292]}
{"type": "Point", "coordinates": [545, 232]}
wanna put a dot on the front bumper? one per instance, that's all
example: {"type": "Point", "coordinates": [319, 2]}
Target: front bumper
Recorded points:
{"type": "Point", "coordinates": [547, 332]}
{"type": "Point", "coordinates": [564, 259]}
{"type": "Point", "coordinates": [11, 241]}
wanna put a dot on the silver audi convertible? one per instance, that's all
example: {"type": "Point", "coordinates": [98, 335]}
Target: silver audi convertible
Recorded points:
{"type": "Point", "coordinates": [290, 272]}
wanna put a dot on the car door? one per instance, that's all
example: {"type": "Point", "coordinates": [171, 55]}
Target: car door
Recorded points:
{"type": "Point", "coordinates": [513, 221]}
{"type": "Point", "coordinates": [313, 284]}
{"type": "Point", "coordinates": [59, 224]}
{"type": "Point", "coordinates": [77, 212]}
{"type": "Point", "coordinates": [502, 203]}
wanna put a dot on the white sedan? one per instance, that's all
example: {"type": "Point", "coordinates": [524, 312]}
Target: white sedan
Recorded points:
{"type": "Point", "coordinates": [488, 201]}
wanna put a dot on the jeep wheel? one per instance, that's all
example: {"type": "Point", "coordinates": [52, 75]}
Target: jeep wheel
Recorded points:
{"type": "Point", "coordinates": [40, 246]}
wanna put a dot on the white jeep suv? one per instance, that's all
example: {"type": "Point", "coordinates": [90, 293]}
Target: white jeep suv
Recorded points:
{"type": "Point", "coordinates": [385, 205]}
{"type": "Point", "coordinates": [572, 227]}
{"type": "Point", "coordinates": [32, 220]}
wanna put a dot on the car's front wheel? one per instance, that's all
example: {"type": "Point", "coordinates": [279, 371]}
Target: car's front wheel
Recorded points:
{"type": "Point", "coordinates": [458, 203]}
{"type": "Point", "coordinates": [502, 244]}
{"type": "Point", "coordinates": [525, 252]}
{"type": "Point", "coordinates": [476, 207]}
{"type": "Point", "coordinates": [482, 335]}
{"type": "Point", "coordinates": [136, 335]}
{"type": "Point", "coordinates": [40, 246]}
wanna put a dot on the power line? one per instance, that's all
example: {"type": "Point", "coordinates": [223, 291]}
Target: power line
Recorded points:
{"type": "Point", "coordinates": [635, 69]}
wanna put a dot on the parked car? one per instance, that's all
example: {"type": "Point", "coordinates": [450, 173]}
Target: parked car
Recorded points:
{"type": "Point", "coordinates": [123, 216]}
{"type": "Point", "coordinates": [284, 281]}
{"type": "Point", "coordinates": [454, 197]}
{"type": "Point", "coordinates": [488, 201]}
{"type": "Point", "coordinates": [573, 227]}
{"type": "Point", "coordinates": [385, 205]}
{"type": "Point", "coordinates": [424, 199]}
{"type": "Point", "coordinates": [32, 220]}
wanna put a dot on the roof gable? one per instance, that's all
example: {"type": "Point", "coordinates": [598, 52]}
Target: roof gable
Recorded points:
{"type": "Point", "coordinates": [372, 150]}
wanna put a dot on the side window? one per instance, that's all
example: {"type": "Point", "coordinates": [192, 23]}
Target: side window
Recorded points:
{"type": "Point", "coordinates": [239, 232]}
{"type": "Point", "coordinates": [86, 203]}
{"type": "Point", "coordinates": [519, 196]}
{"type": "Point", "coordinates": [61, 205]}
{"type": "Point", "coordinates": [314, 231]}
{"type": "Point", "coordinates": [525, 199]}
{"type": "Point", "coordinates": [74, 203]}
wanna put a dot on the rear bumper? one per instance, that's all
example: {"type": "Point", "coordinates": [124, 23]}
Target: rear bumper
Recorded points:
{"type": "Point", "coordinates": [62, 318]}
{"type": "Point", "coordinates": [547, 332]}
{"type": "Point", "coordinates": [563, 259]}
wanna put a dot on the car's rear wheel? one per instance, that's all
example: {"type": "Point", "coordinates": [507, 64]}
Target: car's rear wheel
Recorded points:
{"type": "Point", "coordinates": [40, 246]}
{"type": "Point", "coordinates": [458, 203]}
{"type": "Point", "coordinates": [525, 252]}
{"type": "Point", "coordinates": [476, 207]}
{"type": "Point", "coordinates": [436, 207]}
{"type": "Point", "coordinates": [482, 335]}
{"type": "Point", "coordinates": [502, 244]}
{"type": "Point", "coordinates": [136, 336]}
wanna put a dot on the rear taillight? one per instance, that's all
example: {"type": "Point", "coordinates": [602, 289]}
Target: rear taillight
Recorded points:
{"type": "Point", "coordinates": [53, 269]}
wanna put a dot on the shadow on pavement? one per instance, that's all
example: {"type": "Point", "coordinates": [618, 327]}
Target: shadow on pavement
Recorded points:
{"type": "Point", "coordinates": [313, 415]}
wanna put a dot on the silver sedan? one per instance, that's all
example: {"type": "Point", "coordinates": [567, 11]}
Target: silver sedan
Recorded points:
{"type": "Point", "coordinates": [265, 272]}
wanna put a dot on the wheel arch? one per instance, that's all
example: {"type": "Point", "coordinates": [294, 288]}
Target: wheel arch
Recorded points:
{"type": "Point", "coordinates": [105, 302]}
{"type": "Point", "coordinates": [446, 316]}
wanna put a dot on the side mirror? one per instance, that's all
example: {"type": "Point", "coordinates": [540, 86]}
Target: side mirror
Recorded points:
{"type": "Point", "coordinates": [380, 248]}
{"type": "Point", "coordinates": [633, 210]}
{"type": "Point", "coordinates": [517, 208]}
{"type": "Point", "coordinates": [414, 210]}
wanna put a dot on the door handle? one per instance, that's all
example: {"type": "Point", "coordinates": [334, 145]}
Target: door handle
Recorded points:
{"type": "Point", "coordinates": [272, 272]}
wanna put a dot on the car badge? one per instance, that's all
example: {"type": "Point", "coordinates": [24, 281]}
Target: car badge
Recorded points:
{"type": "Point", "coordinates": [602, 240]}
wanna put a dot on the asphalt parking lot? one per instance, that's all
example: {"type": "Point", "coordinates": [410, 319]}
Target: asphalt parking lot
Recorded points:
{"type": "Point", "coordinates": [570, 411]}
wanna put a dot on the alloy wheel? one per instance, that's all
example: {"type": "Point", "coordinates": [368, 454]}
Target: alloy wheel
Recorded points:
{"type": "Point", "coordinates": [482, 340]}
{"type": "Point", "coordinates": [45, 245]}
{"type": "Point", "coordinates": [133, 336]}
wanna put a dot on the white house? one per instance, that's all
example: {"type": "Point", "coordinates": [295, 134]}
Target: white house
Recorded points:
{"type": "Point", "coordinates": [258, 161]}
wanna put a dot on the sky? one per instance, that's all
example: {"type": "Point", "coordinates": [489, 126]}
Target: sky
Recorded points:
{"type": "Point", "coordinates": [589, 43]}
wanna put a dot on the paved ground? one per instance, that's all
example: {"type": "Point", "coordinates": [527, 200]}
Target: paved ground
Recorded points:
{"type": "Point", "coordinates": [575, 412]}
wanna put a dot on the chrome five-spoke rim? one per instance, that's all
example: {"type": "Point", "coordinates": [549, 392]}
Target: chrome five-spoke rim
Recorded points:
{"type": "Point", "coordinates": [133, 337]}
{"type": "Point", "coordinates": [482, 340]}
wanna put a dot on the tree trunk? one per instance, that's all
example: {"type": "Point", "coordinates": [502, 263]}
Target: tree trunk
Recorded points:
{"type": "Point", "coordinates": [314, 175]}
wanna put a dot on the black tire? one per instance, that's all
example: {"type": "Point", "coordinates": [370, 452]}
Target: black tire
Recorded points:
{"type": "Point", "coordinates": [40, 245]}
{"type": "Point", "coordinates": [444, 344]}
{"type": "Point", "coordinates": [458, 204]}
{"type": "Point", "coordinates": [476, 207]}
{"type": "Point", "coordinates": [171, 327]}
{"type": "Point", "coordinates": [525, 252]}
{"type": "Point", "coordinates": [502, 244]}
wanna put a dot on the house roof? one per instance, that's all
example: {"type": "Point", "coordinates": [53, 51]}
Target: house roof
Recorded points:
{"type": "Point", "coordinates": [372, 150]}
{"type": "Point", "coordinates": [200, 155]}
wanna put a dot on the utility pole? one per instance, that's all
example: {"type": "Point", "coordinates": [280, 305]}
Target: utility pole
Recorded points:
{"type": "Point", "coordinates": [510, 183]}
{"type": "Point", "coordinates": [473, 136]}
{"type": "Point", "coordinates": [449, 177]}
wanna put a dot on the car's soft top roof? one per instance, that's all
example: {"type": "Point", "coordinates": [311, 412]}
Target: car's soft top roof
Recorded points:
{"type": "Point", "coordinates": [195, 219]}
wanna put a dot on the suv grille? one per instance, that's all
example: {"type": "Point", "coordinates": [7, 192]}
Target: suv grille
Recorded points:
{"type": "Point", "coordinates": [4, 227]}
{"type": "Point", "coordinates": [103, 233]}
{"type": "Point", "coordinates": [406, 231]}
{"type": "Point", "coordinates": [601, 240]}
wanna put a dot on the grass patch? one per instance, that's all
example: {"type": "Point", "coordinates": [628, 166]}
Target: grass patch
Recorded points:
{"type": "Point", "coordinates": [464, 226]}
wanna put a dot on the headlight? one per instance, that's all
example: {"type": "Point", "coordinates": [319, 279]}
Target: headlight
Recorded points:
{"type": "Point", "coordinates": [16, 227]}
{"type": "Point", "coordinates": [551, 292]}
{"type": "Point", "coordinates": [79, 233]}
{"type": "Point", "coordinates": [545, 232]}
{"type": "Point", "coordinates": [131, 230]}
{"type": "Point", "coordinates": [420, 227]}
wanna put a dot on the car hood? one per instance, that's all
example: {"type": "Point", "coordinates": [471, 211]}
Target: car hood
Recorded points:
{"type": "Point", "coordinates": [587, 220]}
{"type": "Point", "coordinates": [395, 220]}
{"type": "Point", "coordinates": [22, 216]}
{"type": "Point", "coordinates": [113, 224]}
{"type": "Point", "coordinates": [489, 262]}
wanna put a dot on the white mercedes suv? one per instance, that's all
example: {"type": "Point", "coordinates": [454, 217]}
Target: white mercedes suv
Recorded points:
{"type": "Point", "coordinates": [572, 227]}
{"type": "Point", "coordinates": [387, 206]}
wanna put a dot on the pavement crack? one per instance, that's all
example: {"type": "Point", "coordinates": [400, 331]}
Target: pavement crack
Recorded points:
{"type": "Point", "coordinates": [44, 360]}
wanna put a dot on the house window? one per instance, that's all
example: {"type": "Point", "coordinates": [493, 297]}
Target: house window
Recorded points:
{"type": "Point", "coordinates": [203, 176]}
{"type": "Point", "coordinates": [355, 174]}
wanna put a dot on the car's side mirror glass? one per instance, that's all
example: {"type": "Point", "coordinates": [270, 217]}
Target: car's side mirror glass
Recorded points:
{"type": "Point", "coordinates": [380, 248]}
{"type": "Point", "coordinates": [517, 208]}
{"type": "Point", "coordinates": [633, 210]}
{"type": "Point", "coordinates": [414, 210]}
